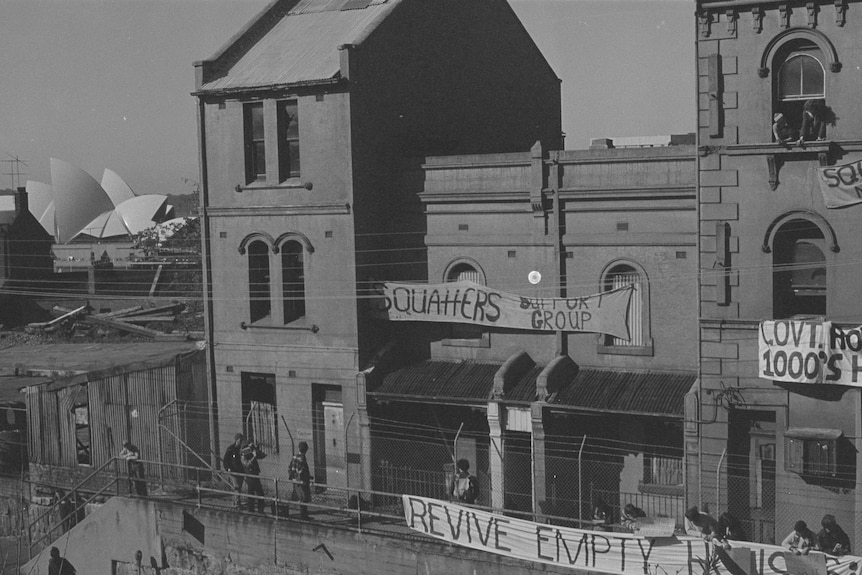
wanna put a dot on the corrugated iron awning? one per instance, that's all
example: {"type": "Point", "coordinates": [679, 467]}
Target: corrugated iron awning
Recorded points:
{"type": "Point", "coordinates": [813, 433]}
{"type": "Point", "coordinates": [458, 381]}
{"type": "Point", "coordinates": [657, 393]}
{"type": "Point", "coordinates": [525, 388]}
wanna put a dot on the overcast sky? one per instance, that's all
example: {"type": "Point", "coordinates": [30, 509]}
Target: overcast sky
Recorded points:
{"type": "Point", "coordinates": [106, 83]}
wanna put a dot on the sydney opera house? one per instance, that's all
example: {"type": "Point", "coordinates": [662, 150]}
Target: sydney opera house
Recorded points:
{"type": "Point", "coordinates": [92, 221]}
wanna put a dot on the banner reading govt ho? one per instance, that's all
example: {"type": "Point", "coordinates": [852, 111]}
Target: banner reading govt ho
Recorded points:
{"type": "Point", "coordinates": [605, 552]}
{"type": "Point", "coordinates": [810, 352]}
{"type": "Point", "coordinates": [468, 302]}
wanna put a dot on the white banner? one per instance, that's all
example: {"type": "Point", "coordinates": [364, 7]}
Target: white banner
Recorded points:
{"type": "Point", "coordinates": [468, 302]}
{"type": "Point", "coordinates": [810, 352]}
{"type": "Point", "coordinates": [841, 185]}
{"type": "Point", "coordinates": [618, 553]}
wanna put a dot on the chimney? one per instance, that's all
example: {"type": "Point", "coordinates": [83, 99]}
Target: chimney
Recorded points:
{"type": "Point", "coordinates": [601, 144]}
{"type": "Point", "coordinates": [22, 205]}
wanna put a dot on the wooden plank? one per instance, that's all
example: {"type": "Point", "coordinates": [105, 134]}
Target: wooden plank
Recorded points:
{"type": "Point", "coordinates": [123, 326]}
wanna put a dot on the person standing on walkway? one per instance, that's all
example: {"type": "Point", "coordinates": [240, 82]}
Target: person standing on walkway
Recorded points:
{"type": "Point", "coordinates": [135, 468]}
{"type": "Point", "coordinates": [251, 468]}
{"type": "Point", "coordinates": [232, 462]}
{"type": "Point", "coordinates": [301, 477]}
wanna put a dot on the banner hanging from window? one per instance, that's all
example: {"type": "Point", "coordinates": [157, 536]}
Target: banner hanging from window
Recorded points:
{"type": "Point", "coordinates": [799, 351]}
{"type": "Point", "coordinates": [607, 552]}
{"type": "Point", "coordinates": [841, 185]}
{"type": "Point", "coordinates": [468, 302]}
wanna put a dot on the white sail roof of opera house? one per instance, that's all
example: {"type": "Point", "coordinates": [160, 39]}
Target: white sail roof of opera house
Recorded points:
{"type": "Point", "coordinates": [75, 205]}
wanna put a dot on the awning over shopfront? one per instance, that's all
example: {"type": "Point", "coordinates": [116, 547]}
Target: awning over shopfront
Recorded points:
{"type": "Point", "coordinates": [654, 393]}
{"type": "Point", "coordinates": [439, 381]}
{"type": "Point", "coordinates": [657, 393]}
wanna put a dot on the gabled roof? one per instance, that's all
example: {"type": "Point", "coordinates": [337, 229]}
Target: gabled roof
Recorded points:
{"type": "Point", "coordinates": [293, 43]}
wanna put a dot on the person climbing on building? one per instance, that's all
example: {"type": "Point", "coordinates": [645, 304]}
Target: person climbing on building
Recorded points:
{"type": "Point", "coordinates": [782, 130]}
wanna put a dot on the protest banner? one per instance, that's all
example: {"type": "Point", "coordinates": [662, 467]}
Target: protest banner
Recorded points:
{"type": "Point", "coordinates": [841, 186]}
{"type": "Point", "coordinates": [468, 302]}
{"type": "Point", "coordinates": [810, 351]}
{"type": "Point", "coordinates": [602, 551]}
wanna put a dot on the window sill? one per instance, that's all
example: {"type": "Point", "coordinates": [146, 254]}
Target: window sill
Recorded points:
{"type": "Point", "coordinates": [485, 342]}
{"type": "Point", "coordinates": [291, 184]}
{"type": "Point", "coordinates": [640, 350]}
{"type": "Point", "coordinates": [295, 326]}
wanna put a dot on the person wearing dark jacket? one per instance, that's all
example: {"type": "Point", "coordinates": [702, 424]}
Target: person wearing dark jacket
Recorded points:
{"type": "Point", "coordinates": [250, 455]}
{"type": "Point", "coordinates": [59, 565]}
{"type": "Point", "coordinates": [832, 539]}
{"type": "Point", "coordinates": [232, 461]}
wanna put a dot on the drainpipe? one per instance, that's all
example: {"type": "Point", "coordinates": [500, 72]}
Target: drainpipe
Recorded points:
{"type": "Point", "coordinates": [718, 481]}
{"type": "Point", "coordinates": [699, 282]}
{"type": "Point", "coordinates": [206, 266]}
{"type": "Point", "coordinates": [581, 480]}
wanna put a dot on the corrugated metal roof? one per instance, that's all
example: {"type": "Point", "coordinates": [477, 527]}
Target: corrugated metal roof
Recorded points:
{"type": "Point", "coordinates": [647, 392]}
{"type": "Point", "coordinates": [71, 358]}
{"type": "Point", "coordinates": [437, 380]}
{"type": "Point", "coordinates": [525, 388]}
{"type": "Point", "coordinates": [302, 47]}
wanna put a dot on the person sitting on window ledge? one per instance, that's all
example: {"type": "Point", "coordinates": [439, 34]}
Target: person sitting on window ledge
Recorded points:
{"type": "Point", "coordinates": [782, 130]}
{"type": "Point", "coordinates": [815, 115]}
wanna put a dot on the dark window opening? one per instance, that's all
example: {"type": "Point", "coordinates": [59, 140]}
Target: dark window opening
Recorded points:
{"type": "Point", "coordinates": [259, 413]}
{"type": "Point", "coordinates": [258, 281]}
{"type": "Point", "coordinates": [293, 280]}
{"type": "Point", "coordinates": [255, 147]}
{"type": "Point", "coordinates": [799, 270]}
{"type": "Point", "coordinates": [81, 415]}
{"type": "Point", "coordinates": [288, 140]}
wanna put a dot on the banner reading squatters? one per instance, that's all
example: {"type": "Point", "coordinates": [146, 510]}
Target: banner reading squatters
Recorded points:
{"type": "Point", "coordinates": [605, 552]}
{"type": "Point", "coordinates": [841, 185]}
{"type": "Point", "coordinates": [468, 302]}
{"type": "Point", "coordinates": [810, 352]}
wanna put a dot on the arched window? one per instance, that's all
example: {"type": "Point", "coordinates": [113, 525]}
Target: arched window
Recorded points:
{"type": "Point", "coordinates": [799, 270]}
{"type": "Point", "coordinates": [618, 275]}
{"type": "Point", "coordinates": [465, 331]}
{"type": "Point", "coordinates": [293, 281]}
{"type": "Point", "coordinates": [800, 76]}
{"type": "Point", "coordinates": [260, 302]}
{"type": "Point", "coordinates": [621, 276]}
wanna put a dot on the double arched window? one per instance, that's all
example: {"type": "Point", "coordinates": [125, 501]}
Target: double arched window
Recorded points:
{"type": "Point", "coordinates": [276, 276]}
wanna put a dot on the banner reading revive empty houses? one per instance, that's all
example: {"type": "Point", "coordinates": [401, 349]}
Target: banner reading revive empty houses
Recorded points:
{"type": "Point", "coordinates": [841, 185]}
{"type": "Point", "coordinates": [469, 302]}
{"type": "Point", "coordinates": [810, 352]}
{"type": "Point", "coordinates": [605, 552]}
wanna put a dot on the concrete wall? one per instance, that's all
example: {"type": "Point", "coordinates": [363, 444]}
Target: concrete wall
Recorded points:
{"type": "Point", "coordinates": [234, 544]}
